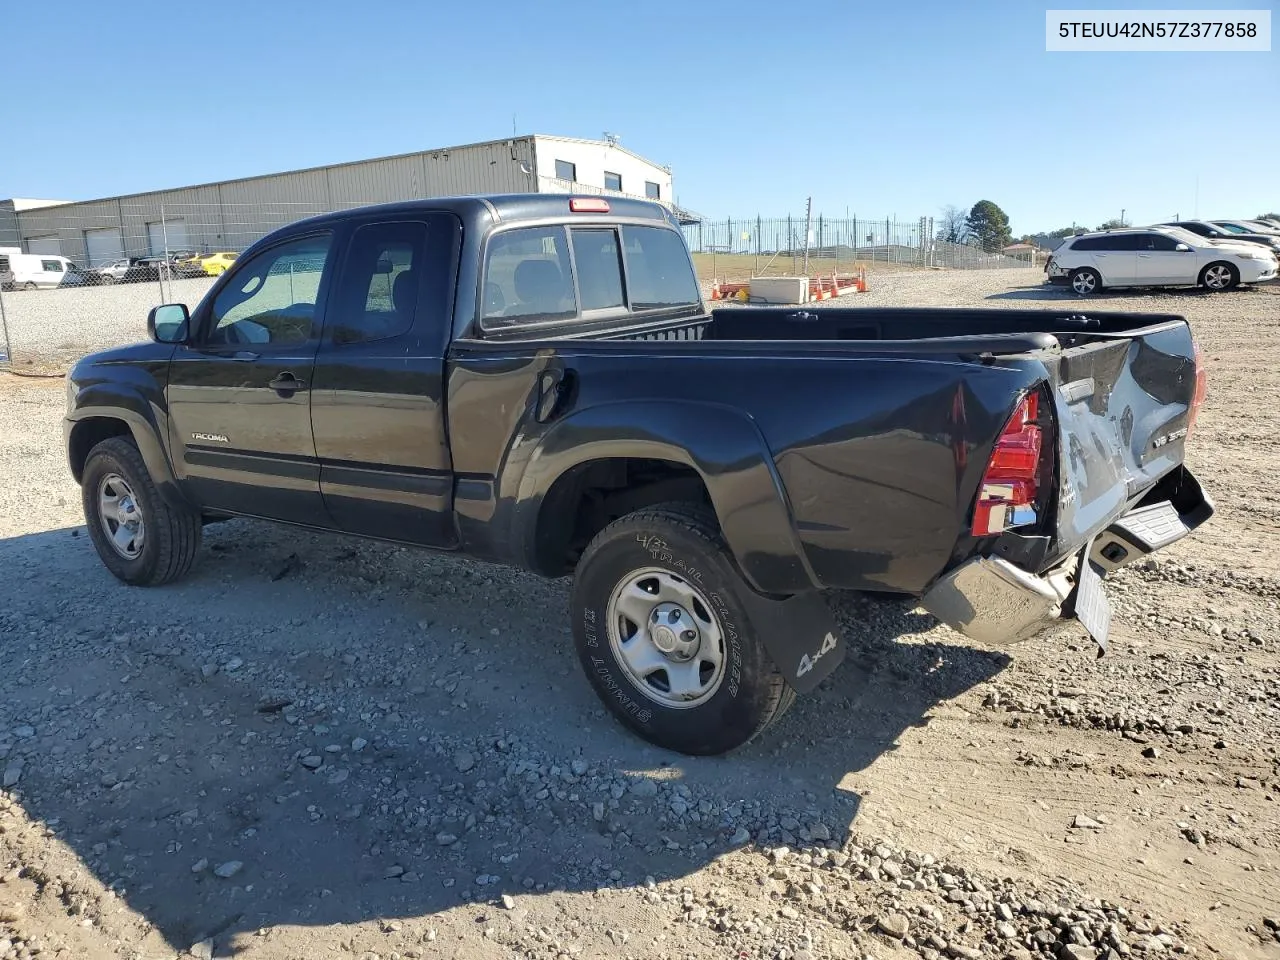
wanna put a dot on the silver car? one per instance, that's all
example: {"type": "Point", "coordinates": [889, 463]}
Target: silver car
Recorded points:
{"type": "Point", "coordinates": [114, 272]}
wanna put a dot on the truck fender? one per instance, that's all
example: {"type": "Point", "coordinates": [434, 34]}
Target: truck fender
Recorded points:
{"type": "Point", "coordinates": [94, 402]}
{"type": "Point", "coordinates": [723, 446]}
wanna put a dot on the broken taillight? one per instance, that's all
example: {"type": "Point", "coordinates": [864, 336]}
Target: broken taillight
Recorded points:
{"type": "Point", "coordinates": [1007, 497]}
{"type": "Point", "coordinates": [1202, 388]}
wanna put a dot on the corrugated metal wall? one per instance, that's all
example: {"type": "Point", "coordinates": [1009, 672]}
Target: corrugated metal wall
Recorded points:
{"type": "Point", "coordinates": [231, 215]}
{"type": "Point", "coordinates": [10, 236]}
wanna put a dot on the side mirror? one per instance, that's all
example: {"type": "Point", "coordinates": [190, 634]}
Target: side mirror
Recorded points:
{"type": "Point", "coordinates": [168, 323]}
{"type": "Point", "coordinates": [1182, 248]}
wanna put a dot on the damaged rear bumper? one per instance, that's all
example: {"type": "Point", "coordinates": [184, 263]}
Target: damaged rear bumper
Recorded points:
{"type": "Point", "coordinates": [992, 601]}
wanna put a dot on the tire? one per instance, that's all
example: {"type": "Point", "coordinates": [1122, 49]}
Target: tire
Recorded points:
{"type": "Point", "coordinates": [1219, 276]}
{"type": "Point", "coordinates": [29, 285]}
{"type": "Point", "coordinates": [107, 279]}
{"type": "Point", "coordinates": [1086, 281]}
{"type": "Point", "coordinates": [671, 560]}
{"type": "Point", "coordinates": [168, 538]}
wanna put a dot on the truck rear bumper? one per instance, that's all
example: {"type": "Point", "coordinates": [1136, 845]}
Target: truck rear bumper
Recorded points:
{"type": "Point", "coordinates": [990, 600]}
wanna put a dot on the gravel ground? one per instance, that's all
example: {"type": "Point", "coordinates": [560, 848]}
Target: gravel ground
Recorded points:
{"type": "Point", "coordinates": [326, 747]}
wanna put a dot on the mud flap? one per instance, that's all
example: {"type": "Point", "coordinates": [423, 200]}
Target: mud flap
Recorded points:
{"type": "Point", "coordinates": [800, 634]}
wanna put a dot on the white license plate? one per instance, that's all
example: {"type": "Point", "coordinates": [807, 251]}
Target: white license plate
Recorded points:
{"type": "Point", "coordinates": [1093, 609]}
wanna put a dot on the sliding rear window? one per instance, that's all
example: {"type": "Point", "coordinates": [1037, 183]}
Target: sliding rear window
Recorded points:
{"type": "Point", "coordinates": [659, 270]}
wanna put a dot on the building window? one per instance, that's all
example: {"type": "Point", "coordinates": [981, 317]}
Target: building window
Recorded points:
{"type": "Point", "coordinates": [652, 190]}
{"type": "Point", "coordinates": [613, 181]}
{"type": "Point", "coordinates": [566, 171]}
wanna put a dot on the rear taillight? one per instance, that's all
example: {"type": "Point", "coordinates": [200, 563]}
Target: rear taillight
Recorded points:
{"type": "Point", "coordinates": [1202, 387]}
{"type": "Point", "coordinates": [1011, 483]}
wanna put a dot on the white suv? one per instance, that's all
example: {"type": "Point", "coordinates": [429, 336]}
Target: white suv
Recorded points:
{"type": "Point", "coordinates": [1156, 257]}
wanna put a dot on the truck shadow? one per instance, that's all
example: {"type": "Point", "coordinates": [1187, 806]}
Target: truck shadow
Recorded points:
{"type": "Point", "coordinates": [372, 732]}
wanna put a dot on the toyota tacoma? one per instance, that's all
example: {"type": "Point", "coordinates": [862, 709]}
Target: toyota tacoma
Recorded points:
{"type": "Point", "coordinates": [535, 380]}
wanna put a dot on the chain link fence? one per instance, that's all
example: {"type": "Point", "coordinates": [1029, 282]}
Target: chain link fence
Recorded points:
{"type": "Point", "coordinates": [780, 244]}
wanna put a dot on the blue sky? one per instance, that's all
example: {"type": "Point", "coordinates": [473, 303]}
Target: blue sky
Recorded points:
{"type": "Point", "coordinates": [879, 109]}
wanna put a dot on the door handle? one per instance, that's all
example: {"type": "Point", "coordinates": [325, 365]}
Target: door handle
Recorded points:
{"type": "Point", "coordinates": [286, 384]}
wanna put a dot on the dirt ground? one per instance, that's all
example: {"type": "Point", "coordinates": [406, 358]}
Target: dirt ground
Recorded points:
{"type": "Point", "coordinates": [322, 747]}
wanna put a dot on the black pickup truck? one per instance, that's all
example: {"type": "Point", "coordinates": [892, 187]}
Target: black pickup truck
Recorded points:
{"type": "Point", "coordinates": [536, 381]}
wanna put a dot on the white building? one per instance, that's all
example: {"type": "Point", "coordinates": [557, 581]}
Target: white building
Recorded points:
{"type": "Point", "coordinates": [232, 214]}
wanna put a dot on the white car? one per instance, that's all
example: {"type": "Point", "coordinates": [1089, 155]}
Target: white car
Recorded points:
{"type": "Point", "coordinates": [1156, 257]}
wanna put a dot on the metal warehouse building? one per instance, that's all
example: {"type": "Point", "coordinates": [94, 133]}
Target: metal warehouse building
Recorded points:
{"type": "Point", "coordinates": [232, 214]}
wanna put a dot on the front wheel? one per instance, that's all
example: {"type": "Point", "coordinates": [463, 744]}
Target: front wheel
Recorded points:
{"type": "Point", "coordinates": [664, 637]}
{"type": "Point", "coordinates": [140, 537]}
{"type": "Point", "coordinates": [1219, 276]}
{"type": "Point", "coordinates": [1086, 282]}
{"type": "Point", "coordinates": [29, 285]}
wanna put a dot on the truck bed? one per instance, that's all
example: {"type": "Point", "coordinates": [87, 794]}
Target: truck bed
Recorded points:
{"type": "Point", "coordinates": [885, 329]}
{"type": "Point", "coordinates": [879, 421]}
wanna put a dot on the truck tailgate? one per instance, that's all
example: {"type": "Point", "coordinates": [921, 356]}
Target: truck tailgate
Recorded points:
{"type": "Point", "coordinates": [1124, 404]}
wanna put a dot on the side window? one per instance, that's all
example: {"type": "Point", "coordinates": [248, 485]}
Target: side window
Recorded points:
{"type": "Point", "coordinates": [527, 278]}
{"type": "Point", "coordinates": [272, 297]}
{"type": "Point", "coordinates": [1158, 241]}
{"type": "Point", "coordinates": [595, 254]}
{"type": "Point", "coordinates": [51, 266]}
{"type": "Point", "coordinates": [1113, 244]}
{"type": "Point", "coordinates": [659, 270]}
{"type": "Point", "coordinates": [377, 294]}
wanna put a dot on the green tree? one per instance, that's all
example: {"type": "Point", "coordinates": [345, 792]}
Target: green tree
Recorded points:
{"type": "Point", "coordinates": [1062, 233]}
{"type": "Point", "coordinates": [1112, 225]}
{"type": "Point", "coordinates": [1267, 216]}
{"type": "Point", "coordinates": [988, 225]}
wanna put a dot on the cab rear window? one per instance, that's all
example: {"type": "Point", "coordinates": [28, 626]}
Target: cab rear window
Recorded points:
{"type": "Point", "coordinates": [542, 274]}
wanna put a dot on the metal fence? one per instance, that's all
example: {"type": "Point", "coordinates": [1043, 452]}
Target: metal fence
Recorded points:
{"type": "Point", "coordinates": [780, 243]}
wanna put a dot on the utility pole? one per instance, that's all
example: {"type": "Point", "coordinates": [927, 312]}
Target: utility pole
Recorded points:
{"type": "Point", "coordinates": [1122, 216]}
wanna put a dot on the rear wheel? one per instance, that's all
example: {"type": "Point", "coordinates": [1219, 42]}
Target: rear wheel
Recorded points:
{"type": "Point", "coordinates": [1219, 276]}
{"type": "Point", "coordinates": [664, 638]}
{"type": "Point", "coordinates": [1086, 282]}
{"type": "Point", "coordinates": [140, 537]}
{"type": "Point", "coordinates": [29, 285]}
{"type": "Point", "coordinates": [108, 278]}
